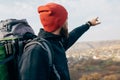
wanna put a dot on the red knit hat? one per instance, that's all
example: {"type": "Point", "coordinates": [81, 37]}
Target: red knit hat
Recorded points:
{"type": "Point", "coordinates": [52, 16]}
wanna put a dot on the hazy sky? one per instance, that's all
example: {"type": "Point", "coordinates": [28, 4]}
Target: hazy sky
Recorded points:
{"type": "Point", "coordinates": [80, 11]}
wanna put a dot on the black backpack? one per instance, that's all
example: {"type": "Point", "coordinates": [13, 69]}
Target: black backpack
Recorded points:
{"type": "Point", "coordinates": [13, 37]}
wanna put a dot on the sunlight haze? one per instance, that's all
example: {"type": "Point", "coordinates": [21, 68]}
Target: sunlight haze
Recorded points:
{"type": "Point", "coordinates": [80, 11]}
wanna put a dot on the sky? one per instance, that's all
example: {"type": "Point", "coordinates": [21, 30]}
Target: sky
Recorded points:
{"type": "Point", "coordinates": [79, 12]}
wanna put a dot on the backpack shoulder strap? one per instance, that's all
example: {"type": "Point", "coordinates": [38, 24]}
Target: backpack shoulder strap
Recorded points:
{"type": "Point", "coordinates": [45, 45]}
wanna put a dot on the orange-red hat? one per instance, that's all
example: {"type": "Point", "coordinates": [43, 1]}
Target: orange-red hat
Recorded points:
{"type": "Point", "coordinates": [52, 16]}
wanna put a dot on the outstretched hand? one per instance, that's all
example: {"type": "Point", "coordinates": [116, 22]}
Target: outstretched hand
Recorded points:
{"type": "Point", "coordinates": [94, 21]}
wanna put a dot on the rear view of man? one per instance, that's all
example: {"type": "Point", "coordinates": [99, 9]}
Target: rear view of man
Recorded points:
{"type": "Point", "coordinates": [35, 64]}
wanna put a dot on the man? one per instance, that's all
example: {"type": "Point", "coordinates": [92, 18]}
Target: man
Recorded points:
{"type": "Point", "coordinates": [35, 64]}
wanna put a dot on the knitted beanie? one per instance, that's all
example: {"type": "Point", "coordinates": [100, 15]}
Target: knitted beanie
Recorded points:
{"type": "Point", "coordinates": [52, 16]}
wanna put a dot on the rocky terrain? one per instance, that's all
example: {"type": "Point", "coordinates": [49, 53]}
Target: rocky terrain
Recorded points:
{"type": "Point", "coordinates": [94, 60]}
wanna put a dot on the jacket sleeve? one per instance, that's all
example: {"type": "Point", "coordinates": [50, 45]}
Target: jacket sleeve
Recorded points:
{"type": "Point", "coordinates": [74, 35]}
{"type": "Point", "coordinates": [34, 64]}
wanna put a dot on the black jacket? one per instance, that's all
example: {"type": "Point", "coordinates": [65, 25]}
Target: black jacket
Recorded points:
{"type": "Point", "coordinates": [34, 62]}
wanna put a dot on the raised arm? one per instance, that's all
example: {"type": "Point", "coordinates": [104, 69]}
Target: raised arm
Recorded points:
{"type": "Point", "coordinates": [78, 32]}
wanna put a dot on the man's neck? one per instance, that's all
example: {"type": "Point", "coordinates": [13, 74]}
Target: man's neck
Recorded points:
{"type": "Point", "coordinates": [57, 32]}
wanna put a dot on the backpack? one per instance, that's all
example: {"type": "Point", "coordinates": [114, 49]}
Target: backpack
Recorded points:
{"type": "Point", "coordinates": [13, 35]}
{"type": "Point", "coordinates": [46, 45]}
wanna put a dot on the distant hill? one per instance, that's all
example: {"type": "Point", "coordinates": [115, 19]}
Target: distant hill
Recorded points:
{"type": "Point", "coordinates": [94, 60]}
{"type": "Point", "coordinates": [96, 50]}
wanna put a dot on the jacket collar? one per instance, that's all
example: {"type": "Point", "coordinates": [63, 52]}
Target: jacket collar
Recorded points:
{"type": "Point", "coordinates": [48, 35]}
